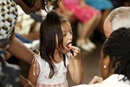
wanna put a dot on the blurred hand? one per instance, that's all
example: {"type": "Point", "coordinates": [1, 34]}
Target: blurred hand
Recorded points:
{"type": "Point", "coordinates": [95, 80]}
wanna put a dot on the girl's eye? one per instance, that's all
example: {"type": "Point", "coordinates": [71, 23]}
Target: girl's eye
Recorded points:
{"type": "Point", "coordinates": [64, 34]}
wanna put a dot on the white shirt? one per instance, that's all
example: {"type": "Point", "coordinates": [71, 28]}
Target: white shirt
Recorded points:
{"type": "Point", "coordinates": [112, 81]}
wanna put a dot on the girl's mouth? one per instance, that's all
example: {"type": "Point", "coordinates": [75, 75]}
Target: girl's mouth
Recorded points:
{"type": "Point", "coordinates": [68, 46]}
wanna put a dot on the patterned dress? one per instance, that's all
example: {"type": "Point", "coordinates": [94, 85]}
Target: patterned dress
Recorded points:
{"type": "Point", "coordinates": [8, 17]}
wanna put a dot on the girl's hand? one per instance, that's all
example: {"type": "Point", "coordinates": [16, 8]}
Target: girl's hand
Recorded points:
{"type": "Point", "coordinates": [75, 52]}
{"type": "Point", "coordinates": [96, 79]}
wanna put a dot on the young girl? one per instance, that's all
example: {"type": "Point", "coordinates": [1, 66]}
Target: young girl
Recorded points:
{"type": "Point", "coordinates": [57, 54]}
{"type": "Point", "coordinates": [88, 17]}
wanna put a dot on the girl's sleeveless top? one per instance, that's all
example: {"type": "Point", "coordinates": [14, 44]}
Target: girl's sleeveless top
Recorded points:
{"type": "Point", "coordinates": [59, 77]}
{"type": "Point", "coordinates": [8, 17]}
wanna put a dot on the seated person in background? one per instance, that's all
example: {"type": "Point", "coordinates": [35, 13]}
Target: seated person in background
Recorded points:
{"type": "Point", "coordinates": [115, 60]}
{"type": "Point", "coordinates": [88, 16]}
{"type": "Point", "coordinates": [118, 18]}
{"type": "Point", "coordinates": [105, 6]}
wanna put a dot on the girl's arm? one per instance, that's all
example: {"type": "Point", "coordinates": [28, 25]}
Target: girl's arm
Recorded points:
{"type": "Point", "coordinates": [33, 73]}
{"type": "Point", "coordinates": [75, 66]}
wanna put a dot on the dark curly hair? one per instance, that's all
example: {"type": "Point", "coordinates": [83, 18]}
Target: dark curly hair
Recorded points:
{"type": "Point", "coordinates": [117, 47]}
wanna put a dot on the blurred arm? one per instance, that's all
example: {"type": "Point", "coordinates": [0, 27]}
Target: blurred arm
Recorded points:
{"type": "Point", "coordinates": [20, 51]}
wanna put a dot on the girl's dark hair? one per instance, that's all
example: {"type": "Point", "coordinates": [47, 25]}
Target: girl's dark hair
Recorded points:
{"type": "Point", "coordinates": [117, 47]}
{"type": "Point", "coordinates": [50, 28]}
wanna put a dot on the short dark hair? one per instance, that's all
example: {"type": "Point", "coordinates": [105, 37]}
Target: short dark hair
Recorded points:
{"type": "Point", "coordinates": [117, 47]}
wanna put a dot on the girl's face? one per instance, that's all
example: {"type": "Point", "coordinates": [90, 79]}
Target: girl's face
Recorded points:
{"type": "Point", "coordinates": [67, 37]}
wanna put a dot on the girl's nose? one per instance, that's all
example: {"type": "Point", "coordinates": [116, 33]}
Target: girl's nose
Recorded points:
{"type": "Point", "coordinates": [70, 36]}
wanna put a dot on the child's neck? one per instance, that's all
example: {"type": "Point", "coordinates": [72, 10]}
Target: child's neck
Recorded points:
{"type": "Point", "coordinates": [58, 56]}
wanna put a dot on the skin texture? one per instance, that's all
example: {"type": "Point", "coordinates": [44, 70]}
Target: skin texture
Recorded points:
{"type": "Point", "coordinates": [18, 49]}
{"type": "Point", "coordinates": [107, 27]}
{"type": "Point", "coordinates": [105, 66]}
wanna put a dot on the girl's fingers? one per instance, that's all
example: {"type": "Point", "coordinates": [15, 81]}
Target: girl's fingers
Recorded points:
{"type": "Point", "coordinates": [76, 51]}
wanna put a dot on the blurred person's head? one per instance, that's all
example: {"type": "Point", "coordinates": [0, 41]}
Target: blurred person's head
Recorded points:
{"type": "Point", "coordinates": [115, 54]}
{"type": "Point", "coordinates": [31, 6]}
{"type": "Point", "coordinates": [119, 17]}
